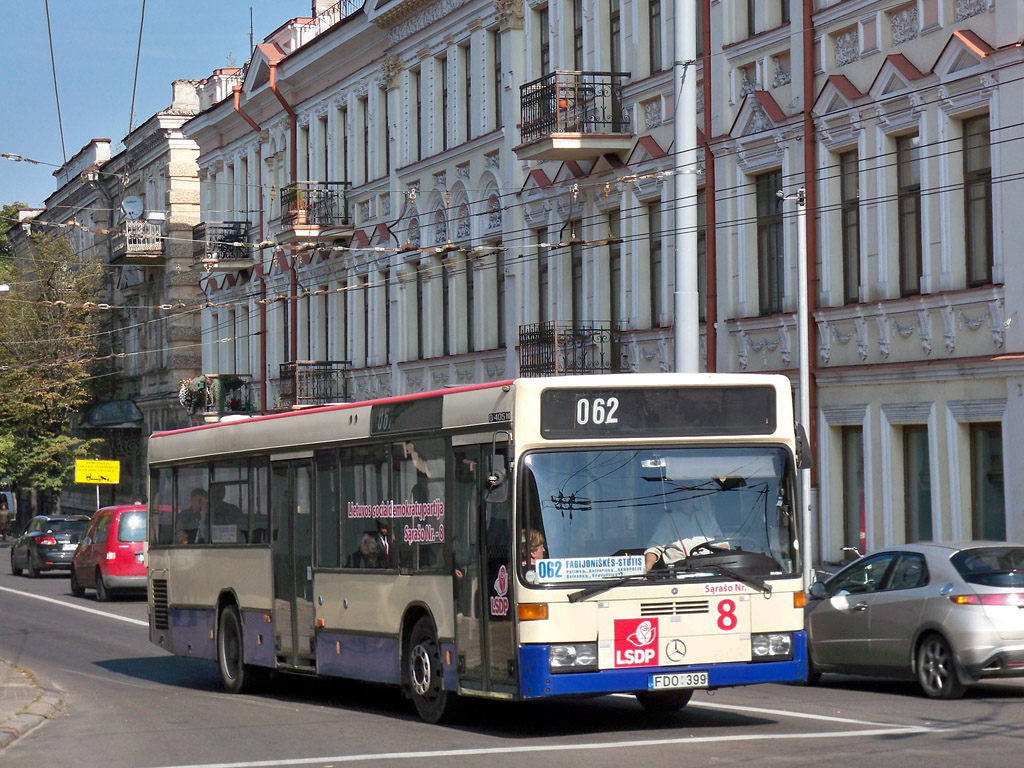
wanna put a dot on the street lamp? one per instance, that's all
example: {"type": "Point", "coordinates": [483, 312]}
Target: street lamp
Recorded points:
{"type": "Point", "coordinates": [803, 345]}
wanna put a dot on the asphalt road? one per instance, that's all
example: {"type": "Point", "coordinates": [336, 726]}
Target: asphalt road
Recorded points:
{"type": "Point", "coordinates": [131, 705]}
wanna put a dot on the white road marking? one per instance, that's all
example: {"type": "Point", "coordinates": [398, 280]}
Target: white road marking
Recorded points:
{"type": "Point", "coordinates": [894, 730]}
{"type": "Point", "coordinates": [76, 607]}
{"type": "Point", "coordinates": [780, 713]}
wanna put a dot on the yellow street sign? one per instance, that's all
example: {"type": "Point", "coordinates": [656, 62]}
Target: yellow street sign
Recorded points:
{"type": "Point", "coordinates": [95, 472]}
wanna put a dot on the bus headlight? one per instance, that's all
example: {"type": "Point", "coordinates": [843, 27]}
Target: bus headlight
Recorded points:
{"type": "Point", "coordinates": [771, 646]}
{"type": "Point", "coordinates": [573, 657]}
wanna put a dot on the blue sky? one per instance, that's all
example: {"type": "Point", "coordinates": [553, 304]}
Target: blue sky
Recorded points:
{"type": "Point", "coordinates": [95, 45]}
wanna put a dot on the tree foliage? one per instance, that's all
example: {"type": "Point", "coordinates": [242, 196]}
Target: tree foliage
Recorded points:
{"type": "Point", "coordinates": [47, 346]}
{"type": "Point", "coordinates": [8, 221]}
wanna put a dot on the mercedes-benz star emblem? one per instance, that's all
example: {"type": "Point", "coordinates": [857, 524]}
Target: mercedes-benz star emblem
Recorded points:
{"type": "Point", "coordinates": [675, 650]}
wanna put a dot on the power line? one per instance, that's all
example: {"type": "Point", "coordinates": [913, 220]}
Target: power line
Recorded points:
{"type": "Point", "coordinates": [56, 94]}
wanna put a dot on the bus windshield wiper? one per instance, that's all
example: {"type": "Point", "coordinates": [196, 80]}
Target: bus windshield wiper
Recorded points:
{"type": "Point", "coordinates": [603, 586]}
{"type": "Point", "coordinates": [759, 584]}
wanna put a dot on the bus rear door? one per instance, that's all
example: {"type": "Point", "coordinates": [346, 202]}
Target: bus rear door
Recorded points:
{"type": "Point", "coordinates": [292, 544]}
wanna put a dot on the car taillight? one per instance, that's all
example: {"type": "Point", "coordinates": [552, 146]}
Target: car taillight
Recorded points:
{"type": "Point", "coordinates": [111, 555]}
{"type": "Point", "coordinates": [47, 541]}
{"type": "Point", "coordinates": [1000, 598]}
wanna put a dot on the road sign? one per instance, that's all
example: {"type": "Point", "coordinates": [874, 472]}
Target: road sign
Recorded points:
{"type": "Point", "coordinates": [95, 472]}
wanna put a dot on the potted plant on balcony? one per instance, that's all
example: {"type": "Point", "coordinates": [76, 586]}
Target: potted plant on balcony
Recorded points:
{"type": "Point", "coordinates": [225, 393]}
{"type": "Point", "coordinates": [192, 392]}
{"type": "Point", "coordinates": [301, 208]}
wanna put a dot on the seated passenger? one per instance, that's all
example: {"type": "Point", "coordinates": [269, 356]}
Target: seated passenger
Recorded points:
{"type": "Point", "coordinates": [368, 555]}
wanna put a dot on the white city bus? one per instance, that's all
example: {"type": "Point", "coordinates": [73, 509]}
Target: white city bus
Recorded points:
{"type": "Point", "coordinates": [514, 540]}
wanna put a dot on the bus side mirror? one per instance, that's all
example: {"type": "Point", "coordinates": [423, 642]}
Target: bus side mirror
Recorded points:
{"type": "Point", "coordinates": [497, 472]}
{"type": "Point", "coordinates": [804, 460]}
{"type": "Point", "coordinates": [497, 475]}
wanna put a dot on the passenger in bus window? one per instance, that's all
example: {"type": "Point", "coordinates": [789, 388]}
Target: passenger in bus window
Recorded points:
{"type": "Point", "coordinates": [385, 540]}
{"type": "Point", "coordinates": [681, 528]}
{"type": "Point", "coordinates": [538, 548]}
{"type": "Point", "coordinates": [368, 554]}
{"type": "Point", "coordinates": [196, 515]}
{"type": "Point", "coordinates": [224, 512]}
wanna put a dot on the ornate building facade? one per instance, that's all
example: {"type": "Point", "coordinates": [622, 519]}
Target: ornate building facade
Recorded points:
{"type": "Point", "coordinates": [409, 195]}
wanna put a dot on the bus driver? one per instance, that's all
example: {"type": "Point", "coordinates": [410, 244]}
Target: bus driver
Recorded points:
{"type": "Point", "coordinates": [680, 530]}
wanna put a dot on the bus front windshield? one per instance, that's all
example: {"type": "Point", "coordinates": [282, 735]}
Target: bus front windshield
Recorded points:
{"type": "Point", "coordinates": [694, 512]}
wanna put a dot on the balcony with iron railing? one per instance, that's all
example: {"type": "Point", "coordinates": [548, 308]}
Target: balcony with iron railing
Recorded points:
{"type": "Point", "coordinates": [222, 245]}
{"type": "Point", "coordinates": [573, 116]}
{"type": "Point", "coordinates": [314, 210]}
{"type": "Point", "coordinates": [137, 241]}
{"type": "Point", "coordinates": [564, 349]}
{"type": "Point", "coordinates": [306, 383]}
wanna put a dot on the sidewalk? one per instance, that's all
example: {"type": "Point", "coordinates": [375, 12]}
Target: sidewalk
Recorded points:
{"type": "Point", "coordinates": [23, 703]}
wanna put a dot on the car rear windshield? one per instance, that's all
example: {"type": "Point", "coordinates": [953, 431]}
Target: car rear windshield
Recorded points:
{"type": "Point", "coordinates": [132, 527]}
{"type": "Point", "coordinates": [991, 566]}
{"type": "Point", "coordinates": [66, 526]}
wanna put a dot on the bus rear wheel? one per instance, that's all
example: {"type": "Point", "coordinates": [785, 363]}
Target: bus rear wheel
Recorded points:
{"type": "Point", "coordinates": [425, 674]}
{"type": "Point", "coordinates": [664, 702]}
{"type": "Point", "coordinates": [235, 674]}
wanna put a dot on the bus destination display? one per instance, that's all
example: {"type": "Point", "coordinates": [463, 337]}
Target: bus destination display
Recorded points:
{"type": "Point", "coordinates": [644, 411]}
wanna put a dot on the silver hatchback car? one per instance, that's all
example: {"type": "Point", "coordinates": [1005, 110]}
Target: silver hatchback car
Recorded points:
{"type": "Point", "coordinates": [948, 614]}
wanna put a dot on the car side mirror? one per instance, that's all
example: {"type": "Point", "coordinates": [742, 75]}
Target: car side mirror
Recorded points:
{"type": "Point", "coordinates": [818, 591]}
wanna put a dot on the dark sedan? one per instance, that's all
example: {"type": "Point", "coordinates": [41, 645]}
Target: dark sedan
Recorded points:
{"type": "Point", "coordinates": [948, 615]}
{"type": "Point", "coordinates": [48, 543]}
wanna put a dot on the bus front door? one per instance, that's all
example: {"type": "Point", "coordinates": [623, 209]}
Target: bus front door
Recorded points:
{"type": "Point", "coordinates": [292, 544]}
{"type": "Point", "coordinates": [484, 575]}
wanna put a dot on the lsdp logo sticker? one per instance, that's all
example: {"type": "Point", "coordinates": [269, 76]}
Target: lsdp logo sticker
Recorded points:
{"type": "Point", "coordinates": [499, 602]}
{"type": "Point", "coordinates": [636, 642]}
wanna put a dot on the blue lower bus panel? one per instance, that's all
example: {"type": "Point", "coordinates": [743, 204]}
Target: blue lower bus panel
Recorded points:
{"type": "Point", "coordinates": [538, 680]}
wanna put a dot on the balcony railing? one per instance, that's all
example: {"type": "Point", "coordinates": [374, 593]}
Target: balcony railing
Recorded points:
{"type": "Point", "coordinates": [137, 238]}
{"type": "Point", "coordinates": [328, 18]}
{"type": "Point", "coordinates": [562, 349]}
{"type": "Point", "coordinates": [313, 382]}
{"type": "Point", "coordinates": [573, 102]}
{"type": "Point", "coordinates": [315, 204]}
{"type": "Point", "coordinates": [218, 243]}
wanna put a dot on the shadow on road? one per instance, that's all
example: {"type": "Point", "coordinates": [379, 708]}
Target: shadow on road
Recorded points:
{"type": "Point", "coordinates": [512, 720]}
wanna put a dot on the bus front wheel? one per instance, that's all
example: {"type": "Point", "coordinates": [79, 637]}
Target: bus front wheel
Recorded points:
{"type": "Point", "coordinates": [425, 674]}
{"type": "Point", "coordinates": [664, 702]}
{"type": "Point", "coordinates": [235, 674]}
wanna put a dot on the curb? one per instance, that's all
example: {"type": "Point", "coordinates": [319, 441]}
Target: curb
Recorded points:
{"type": "Point", "coordinates": [19, 684]}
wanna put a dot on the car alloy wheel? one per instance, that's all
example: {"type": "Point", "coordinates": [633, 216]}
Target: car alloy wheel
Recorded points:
{"type": "Point", "coordinates": [936, 669]}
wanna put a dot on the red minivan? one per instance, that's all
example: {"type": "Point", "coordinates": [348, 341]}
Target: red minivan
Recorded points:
{"type": "Point", "coordinates": [111, 555]}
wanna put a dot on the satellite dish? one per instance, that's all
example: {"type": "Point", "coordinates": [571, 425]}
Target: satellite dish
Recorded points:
{"type": "Point", "coordinates": [131, 206]}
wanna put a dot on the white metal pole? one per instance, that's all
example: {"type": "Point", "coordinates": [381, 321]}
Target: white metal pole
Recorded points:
{"type": "Point", "coordinates": [805, 374]}
{"type": "Point", "coordinates": [684, 206]}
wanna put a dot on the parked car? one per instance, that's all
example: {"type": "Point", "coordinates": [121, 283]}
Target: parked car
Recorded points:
{"type": "Point", "coordinates": [48, 543]}
{"type": "Point", "coordinates": [948, 615]}
{"type": "Point", "coordinates": [111, 557]}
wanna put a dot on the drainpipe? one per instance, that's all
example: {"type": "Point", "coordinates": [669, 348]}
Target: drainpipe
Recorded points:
{"type": "Point", "coordinates": [811, 229]}
{"type": "Point", "coordinates": [293, 151]}
{"type": "Point", "coordinates": [237, 90]}
{"type": "Point", "coordinates": [293, 163]}
{"type": "Point", "coordinates": [710, 235]}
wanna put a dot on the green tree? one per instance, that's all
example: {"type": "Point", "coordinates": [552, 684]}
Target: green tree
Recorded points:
{"type": "Point", "coordinates": [47, 346]}
{"type": "Point", "coordinates": [8, 221]}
